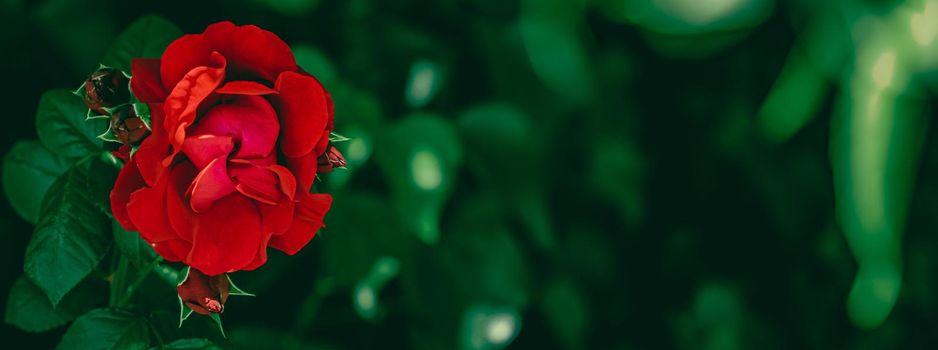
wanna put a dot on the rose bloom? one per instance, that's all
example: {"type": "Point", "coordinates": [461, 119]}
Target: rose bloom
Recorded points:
{"type": "Point", "coordinates": [237, 129]}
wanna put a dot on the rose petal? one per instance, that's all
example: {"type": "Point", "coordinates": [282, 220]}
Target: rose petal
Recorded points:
{"type": "Point", "coordinates": [307, 219]}
{"type": "Point", "coordinates": [154, 148]}
{"type": "Point", "coordinates": [226, 238]}
{"type": "Point", "coordinates": [181, 56]}
{"type": "Point", "coordinates": [278, 218]}
{"type": "Point", "coordinates": [181, 217]}
{"type": "Point", "coordinates": [203, 149]}
{"type": "Point", "coordinates": [261, 256]}
{"type": "Point", "coordinates": [257, 183]}
{"type": "Point", "coordinates": [304, 169]}
{"type": "Point", "coordinates": [212, 184]}
{"type": "Point", "coordinates": [128, 181]}
{"type": "Point", "coordinates": [242, 87]}
{"type": "Point", "coordinates": [303, 108]}
{"type": "Point", "coordinates": [145, 83]}
{"type": "Point", "coordinates": [323, 144]}
{"type": "Point", "coordinates": [186, 96]}
{"type": "Point", "coordinates": [252, 51]}
{"type": "Point", "coordinates": [287, 181]}
{"type": "Point", "coordinates": [249, 120]}
{"type": "Point", "coordinates": [165, 250]}
{"type": "Point", "coordinates": [147, 210]}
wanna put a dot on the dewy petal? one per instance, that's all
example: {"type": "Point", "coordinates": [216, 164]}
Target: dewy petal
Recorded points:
{"type": "Point", "coordinates": [184, 100]}
{"type": "Point", "coordinates": [203, 149]}
{"type": "Point", "coordinates": [303, 108]}
{"type": "Point", "coordinates": [128, 182]}
{"type": "Point", "coordinates": [307, 219]}
{"type": "Point", "coordinates": [146, 83]}
{"type": "Point", "coordinates": [227, 237]}
{"type": "Point", "coordinates": [249, 120]}
{"type": "Point", "coordinates": [252, 51]}
{"type": "Point", "coordinates": [212, 184]}
{"type": "Point", "coordinates": [244, 87]}
{"type": "Point", "coordinates": [147, 210]}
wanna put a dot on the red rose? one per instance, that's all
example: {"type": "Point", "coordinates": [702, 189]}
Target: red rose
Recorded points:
{"type": "Point", "coordinates": [237, 129]}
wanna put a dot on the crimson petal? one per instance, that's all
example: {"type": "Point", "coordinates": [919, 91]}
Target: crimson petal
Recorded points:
{"type": "Point", "coordinates": [147, 210]}
{"type": "Point", "coordinates": [244, 87]}
{"type": "Point", "coordinates": [223, 242]}
{"type": "Point", "coordinates": [307, 219]}
{"type": "Point", "coordinates": [145, 83]}
{"type": "Point", "coordinates": [212, 184]}
{"type": "Point", "coordinates": [128, 181]}
{"type": "Point", "coordinates": [203, 149]}
{"type": "Point", "coordinates": [303, 108]}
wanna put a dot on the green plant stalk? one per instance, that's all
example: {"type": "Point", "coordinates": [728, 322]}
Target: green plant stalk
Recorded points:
{"type": "Point", "coordinates": [126, 293]}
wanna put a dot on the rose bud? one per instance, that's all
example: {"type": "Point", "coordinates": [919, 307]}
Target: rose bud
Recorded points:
{"type": "Point", "coordinates": [204, 294]}
{"type": "Point", "coordinates": [331, 159]}
{"type": "Point", "coordinates": [106, 88]}
{"type": "Point", "coordinates": [127, 127]}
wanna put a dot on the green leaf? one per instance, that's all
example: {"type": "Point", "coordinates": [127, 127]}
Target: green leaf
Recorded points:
{"type": "Point", "coordinates": [290, 7]}
{"type": "Point", "coordinates": [28, 171]}
{"type": "Point", "coordinates": [62, 126]}
{"type": "Point", "coordinates": [29, 309]}
{"type": "Point", "coordinates": [132, 246]}
{"type": "Point", "coordinates": [488, 328]}
{"type": "Point", "coordinates": [106, 328]}
{"type": "Point", "coordinates": [565, 310]}
{"type": "Point", "coordinates": [188, 344]}
{"type": "Point", "coordinates": [365, 293]}
{"type": "Point", "coordinates": [72, 234]}
{"type": "Point", "coordinates": [550, 30]}
{"type": "Point", "coordinates": [425, 80]}
{"type": "Point", "coordinates": [877, 138]}
{"type": "Point", "coordinates": [146, 37]}
{"type": "Point", "coordinates": [369, 230]}
{"type": "Point", "coordinates": [314, 62]}
{"type": "Point", "coordinates": [420, 157]}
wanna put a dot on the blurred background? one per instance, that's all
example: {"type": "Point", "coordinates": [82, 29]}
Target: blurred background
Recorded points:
{"type": "Point", "coordinates": [575, 174]}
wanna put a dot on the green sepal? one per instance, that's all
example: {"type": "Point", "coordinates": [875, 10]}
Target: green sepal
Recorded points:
{"type": "Point", "coordinates": [234, 290]}
{"type": "Point", "coordinates": [334, 137]}
{"type": "Point", "coordinates": [108, 136]}
{"type": "Point", "coordinates": [80, 92]}
{"type": "Point", "coordinates": [91, 115]}
{"type": "Point", "coordinates": [217, 319]}
{"type": "Point", "coordinates": [183, 276]}
{"type": "Point", "coordinates": [112, 110]}
{"type": "Point", "coordinates": [184, 311]}
{"type": "Point", "coordinates": [142, 110]}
